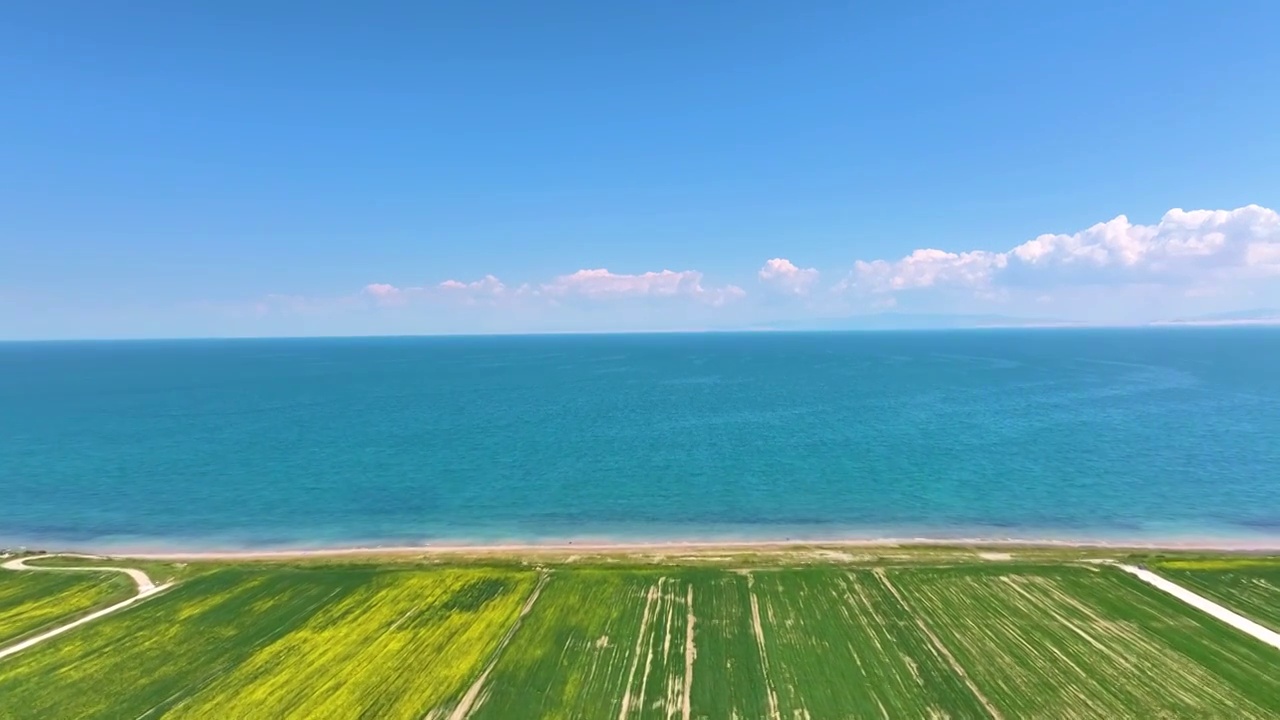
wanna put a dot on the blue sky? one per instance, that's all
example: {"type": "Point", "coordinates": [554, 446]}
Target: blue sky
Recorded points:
{"type": "Point", "coordinates": [360, 168]}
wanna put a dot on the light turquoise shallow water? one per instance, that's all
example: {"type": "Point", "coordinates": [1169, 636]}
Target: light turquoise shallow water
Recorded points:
{"type": "Point", "coordinates": [1026, 433]}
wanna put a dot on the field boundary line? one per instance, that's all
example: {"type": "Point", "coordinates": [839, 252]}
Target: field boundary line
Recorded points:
{"type": "Point", "coordinates": [464, 706]}
{"type": "Point", "coordinates": [146, 589]}
{"type": "Point", "coordinates": [1205, 605]}
{"type": "Point", "coordinates": [690, 653]}
{"type": "Point", "coordinates": [937, 645]}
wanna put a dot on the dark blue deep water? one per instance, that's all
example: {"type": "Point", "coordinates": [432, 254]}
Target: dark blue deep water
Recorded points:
{"type": "Point", "coordinates": [1107, 434]}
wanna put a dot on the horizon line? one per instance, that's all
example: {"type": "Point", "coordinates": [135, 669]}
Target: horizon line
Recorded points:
{"type": "Point", "coordinates": [1042, 326]}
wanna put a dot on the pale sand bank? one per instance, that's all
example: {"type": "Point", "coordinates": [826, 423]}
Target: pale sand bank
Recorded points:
{"type": "Point", "coordinates": [1252, 545]}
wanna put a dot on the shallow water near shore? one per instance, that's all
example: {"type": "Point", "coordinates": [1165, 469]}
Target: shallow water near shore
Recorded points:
{"type": "Point", "coordinates": [1040, 434]}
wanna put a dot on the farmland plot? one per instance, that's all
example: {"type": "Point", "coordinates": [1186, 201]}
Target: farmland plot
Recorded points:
{"type": "Point", "coordinates": [727, 678]}
{"type": "Point", "coordinates": [597, 644]}
{"type": "Point", "coordinates": [279, 641]}
{"type": "Point", "coordinates": [1008, 640]}
{"type": "Point", "coordinates": [148, 657]}
{"type": "Point", "coordinates": [838, 644]}
{"type": "Point", "coordinates": [32, 600]}
{"type": "Point", "coordinates": [1074, 642]}
{"type": "Point", "coordinates": [404, 644]}
{"type": "Point", "coordinates": [1251, 587]}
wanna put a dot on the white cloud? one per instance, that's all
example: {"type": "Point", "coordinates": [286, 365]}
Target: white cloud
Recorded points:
{"type": "Point", "coordinates": [1185, 246]}
{"type": "Point", "coordinates": [384, 294]}
{"type": "Point", "coordinates": [600, 284]}
{"type": "Point", "coordinates": [927, 268]}
{"type": "Point", "coordinates": [1264, 256]}
{"type": "Point", "coordinates": [1181, 242]}
{"type": "Point", "coordinates": [487, 285]}
{"type": "Point", "coordinates": [783, 274]}
{"type": "Point", "coordinates": [487, 288]}
{"type": "Point", "coordinates": [597, 285]}
{"type": "Point", "coordinates": [381, 289]}
{"type": "Point", "coordinates": [1186, 263]}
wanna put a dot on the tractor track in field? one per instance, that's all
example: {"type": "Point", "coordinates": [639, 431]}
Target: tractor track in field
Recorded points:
{"type": "Point", "coordinates": [470, 700]}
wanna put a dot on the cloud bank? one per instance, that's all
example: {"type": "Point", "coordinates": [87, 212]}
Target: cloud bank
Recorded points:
{"type": "Point", "coordinates": [1185, 248]}
{"type": "Point", "coordinates": [585, 285]}
{"type": "Point", "coordinates": [1189, 262]}
{"type": "Point", "coordinates": [602, 284]}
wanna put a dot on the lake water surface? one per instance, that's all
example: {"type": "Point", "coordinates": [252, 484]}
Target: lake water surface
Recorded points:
{"type": "Point", "coordinates": [1073, 434]}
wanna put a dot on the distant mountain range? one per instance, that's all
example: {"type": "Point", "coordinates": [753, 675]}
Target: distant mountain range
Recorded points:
{"type": "Point", "coordinates": [943, 321]}
{"type": "Point", "coordinates": [1256, 316]}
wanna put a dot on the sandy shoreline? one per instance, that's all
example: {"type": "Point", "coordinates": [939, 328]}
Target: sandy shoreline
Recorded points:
{"type": "Point", "coordinates": [605, 547]}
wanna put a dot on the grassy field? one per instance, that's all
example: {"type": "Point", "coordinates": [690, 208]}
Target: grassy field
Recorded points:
{"type": "Point", "coordinates": [1089, 642]}
{"type": "Point", "coordinates": [1250, 586]}
{"type": "Point", "coordinates": [804, 643]}
{"type": "Point", "coordinates": [282, 642]}
{"type": "Point", "coordinates": [34, 601]}
{"type": "Point", "coordinates": [929, 638]}
{"type": "Point", "coordinates": [837, 642]}
{"type": "Point", "coordinates": [597, 643]}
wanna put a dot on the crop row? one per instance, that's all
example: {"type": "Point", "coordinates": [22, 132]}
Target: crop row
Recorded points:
{"type": "Point", "coordinates": [839, 643]}
{"type": "Point", "coordinates": [1075, 641]}
{"type": "Point", "coordinates": [598, 643]}
{"type": "Point", "coordinates": [923, 642]}
{"type": "Point", "coordinates": [999, 640]}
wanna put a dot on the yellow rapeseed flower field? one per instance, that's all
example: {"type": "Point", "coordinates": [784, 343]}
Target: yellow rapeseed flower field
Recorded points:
{"type": "Point", "coordinates": [32, 601]}
{"type": "Point", "coordinates": [399, 646]}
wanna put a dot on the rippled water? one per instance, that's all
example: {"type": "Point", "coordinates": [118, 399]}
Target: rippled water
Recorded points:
{"type": "Point", "coordinates": [1159, 433]}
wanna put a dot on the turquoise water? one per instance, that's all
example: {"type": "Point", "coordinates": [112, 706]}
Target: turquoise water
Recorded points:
{"type": "Point", "coordinates": [1160, 433]}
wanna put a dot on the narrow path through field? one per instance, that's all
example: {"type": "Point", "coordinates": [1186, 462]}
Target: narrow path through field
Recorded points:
{"type": "Point", "coordinates": [758, 629]}
{"type": "Point", "coordinates": [650, 600]}
{"type": "Point", "coordinates": [146, 588]}
{"type": "Point", "coordinates": [690, 652]}
{"type": "Point", "coordinates": [1204, 604]}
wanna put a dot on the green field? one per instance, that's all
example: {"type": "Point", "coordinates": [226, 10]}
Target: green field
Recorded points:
{"type": "Point", "coordinates": [34, 601]}
{"type": "Point", "coordinates": [1249, 586]}
{"type": "Point", "coordinates": [1089, 642]}
{"type": "Point", "coordinates": [838, 642]}
{"type": "Point", "coordinates": [594, 640]}
{"type": "Point", "coordinates": [836, 639]}
{"type": "Point", "coordinates": [278, 643]}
